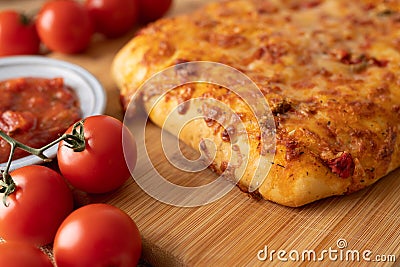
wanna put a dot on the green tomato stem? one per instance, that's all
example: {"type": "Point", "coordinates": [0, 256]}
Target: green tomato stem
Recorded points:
{"type": "Point", "coordinates": [75, 141]}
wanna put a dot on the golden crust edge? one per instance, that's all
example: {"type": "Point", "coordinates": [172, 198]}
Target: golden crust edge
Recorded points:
{"type": "Point", "coordinates": [283, 185]}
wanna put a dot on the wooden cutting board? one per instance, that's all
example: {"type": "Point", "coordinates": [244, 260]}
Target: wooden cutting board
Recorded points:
{"type": "Point", "coordinates": [237, 230]}
{"type": "Point", "coordinates": [233, 230]}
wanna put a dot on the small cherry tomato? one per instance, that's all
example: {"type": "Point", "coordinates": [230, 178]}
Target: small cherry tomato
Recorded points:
{"type": "Point", "coordinates": [101, 167]}
{"type": "Point", "coordinates": [18, 34]}
{"type": "Point", "coordinates": [64, 26]}
{"type": "Point", "coordinates": [97, 235]}
{"type": "Point", "coordinates": [19, 254]}
{"type": "Point", "coordinates": [36, 208]}
{"type": "Point", "coordinates": [150, 10]}
{"type": "Point", "coordinates": [112, 18]}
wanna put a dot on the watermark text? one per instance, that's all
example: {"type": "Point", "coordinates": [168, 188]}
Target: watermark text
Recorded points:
{"type": "Point", "coordinates": [338, 253]}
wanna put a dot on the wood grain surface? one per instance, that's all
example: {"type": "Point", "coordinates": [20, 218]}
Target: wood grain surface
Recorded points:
{"type": "Point", "coordinates": [233, 230]}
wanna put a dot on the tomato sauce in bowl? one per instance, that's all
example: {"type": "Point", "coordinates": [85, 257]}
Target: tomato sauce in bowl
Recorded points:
{"type": "Point", "coordinates": [35, 111]}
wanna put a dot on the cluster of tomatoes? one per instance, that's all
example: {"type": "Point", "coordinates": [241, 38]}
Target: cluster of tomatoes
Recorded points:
{"type": "Point", "coordinates": [67, 26]}
{"type": "Point", "coordinates": [40, 210]}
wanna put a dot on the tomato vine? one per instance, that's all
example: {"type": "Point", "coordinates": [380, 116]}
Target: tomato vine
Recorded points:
{"type": "Point", "coordinates": [74, 141]}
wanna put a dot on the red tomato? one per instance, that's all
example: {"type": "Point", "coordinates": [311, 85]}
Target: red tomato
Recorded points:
{"type": "Point", "coordinates": [39, 204]}
{"type": "Point", "coordinates": [101, 166]}
{"type": "Point", "coordinates": [18, 34]}
{"type": "Point", "coordinates": [112, 18]}
{"type": "Point", "coordinates": [18, 254]}
{"type": "Point", "coordinates": [150, 10]}
{"type": "Point", "coordinates": [97, 235]}
{"type": "Point", "coordinates": [64, 26]}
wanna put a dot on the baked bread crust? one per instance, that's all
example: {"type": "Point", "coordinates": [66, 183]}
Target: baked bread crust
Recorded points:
{"type": "Point", "coordinates": [328, 69]}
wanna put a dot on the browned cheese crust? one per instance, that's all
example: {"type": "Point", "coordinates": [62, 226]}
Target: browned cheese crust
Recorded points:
{"type": "Point", "coordinates": [329, 70]}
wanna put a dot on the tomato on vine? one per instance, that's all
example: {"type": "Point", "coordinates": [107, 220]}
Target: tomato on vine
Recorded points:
{"type": "Point", "coordinates": [99, 164]}
{"type": "Point", "coordinates": [97, 235]}
{"type": "Point", "coordinates": [18, 34]}
{"type": "Point", "coordinates": [21, 254]}
{"type": "Point", "coordinates": [37, 205]}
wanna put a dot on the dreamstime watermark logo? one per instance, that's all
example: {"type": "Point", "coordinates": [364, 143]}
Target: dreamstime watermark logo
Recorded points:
{"type": "Point", "coordinates": [341, 252]}
{"type": "Point", "coordinates": [191, 107]}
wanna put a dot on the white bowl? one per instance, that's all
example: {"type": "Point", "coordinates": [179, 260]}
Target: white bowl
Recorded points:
{"type": "Point", "coordinates": [90, 92]}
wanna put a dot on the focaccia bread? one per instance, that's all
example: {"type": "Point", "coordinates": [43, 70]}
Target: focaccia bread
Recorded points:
{"type": "Point", "coordinates": [329, 69]}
